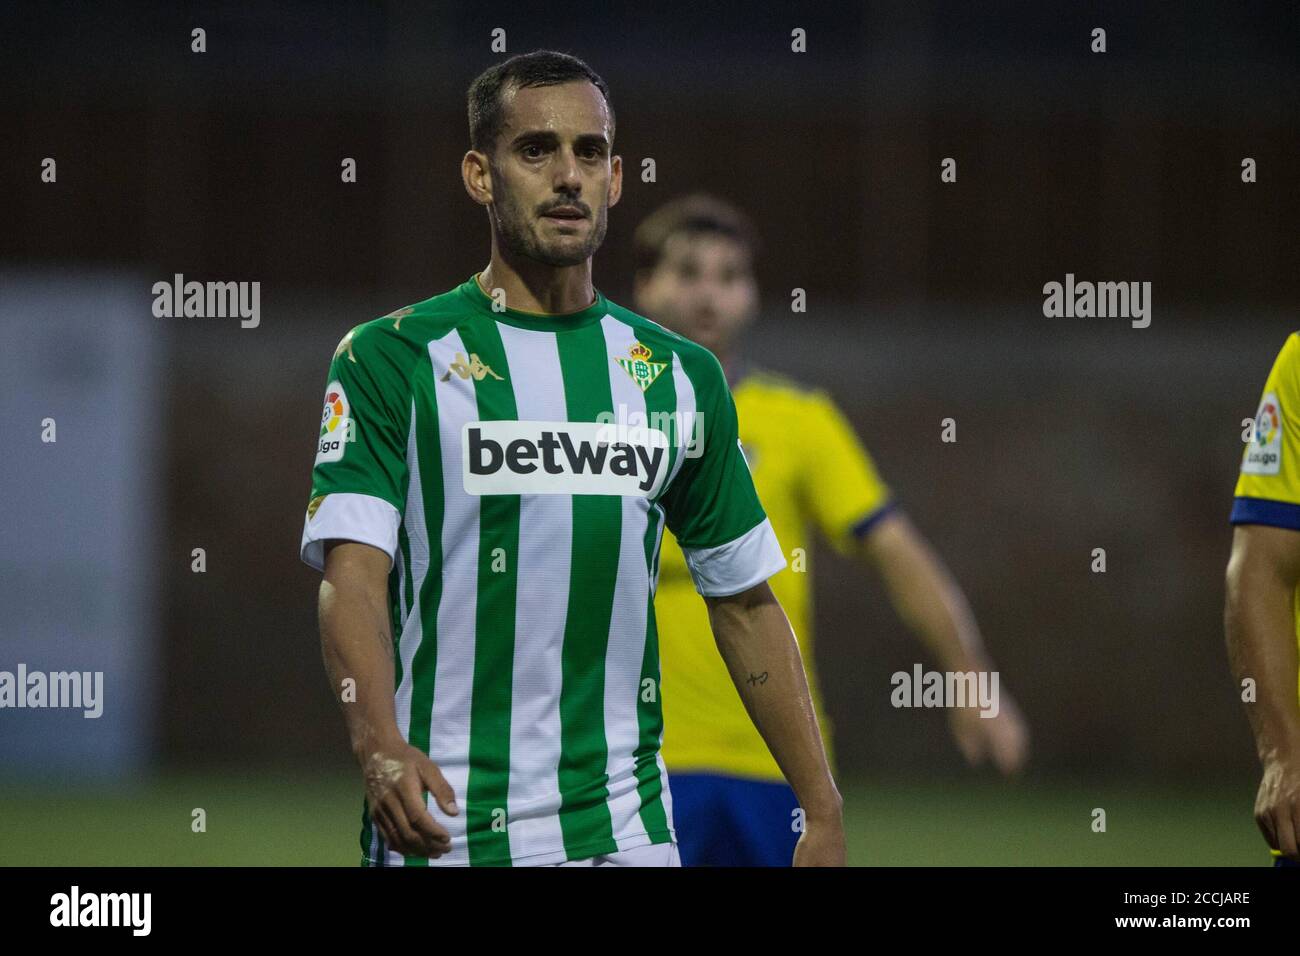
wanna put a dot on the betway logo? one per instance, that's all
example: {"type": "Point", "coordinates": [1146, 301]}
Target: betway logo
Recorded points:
{"type": "Point", "coordinates": [562, 458]}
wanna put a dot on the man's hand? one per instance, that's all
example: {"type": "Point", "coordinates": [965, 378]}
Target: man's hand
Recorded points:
{"type": "Point", "coordinates": [1004, 738]}
{"type": "Point", "coordinates": [357, 644]}
{"type": "Point", "coordinates": [1277, 806]}
{"type": "Point", "coordinates": [397, 777]}
{"type": "Point", "coordinates": [822, 843]}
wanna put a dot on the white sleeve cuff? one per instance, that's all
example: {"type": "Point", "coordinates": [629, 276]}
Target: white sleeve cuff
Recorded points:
{"type": "Point", "coordinates": [737, 565]}
{"type": "Point", "coordinates": [352, 517]}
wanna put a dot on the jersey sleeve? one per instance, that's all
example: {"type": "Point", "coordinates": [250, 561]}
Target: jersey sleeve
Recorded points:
{"type": "Point", "coordinates": [844, 492]}
{"type": "Point", "coordinates": [712, 507]}
{"type": "Point", "coordinates": [358, 486]}
{"type": "Point", "coordinates": [1268, 486]}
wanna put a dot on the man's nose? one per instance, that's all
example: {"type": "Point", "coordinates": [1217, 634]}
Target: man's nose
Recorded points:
{"type": "Point", "coordinates": [566, 173]}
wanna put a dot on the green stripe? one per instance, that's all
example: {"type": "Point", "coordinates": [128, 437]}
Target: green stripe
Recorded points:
{"type": "Point", "coordinates": [597, 530]}
{"type": "Point", "coordinates": [394, 621]}
{"type": "Point", "coordinates": [424, 663]}
{"type": "Point", "coordinates": [365, 833]}
{"type": "Point", "coordinates": [661, 398]}
{"type": "Point", "coordinates": [486, 794]}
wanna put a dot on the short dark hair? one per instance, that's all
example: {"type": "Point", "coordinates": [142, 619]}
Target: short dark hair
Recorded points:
{"type": "Point", "coordinates": [539, 68]}
{"type": "Point", "coordinates": [695, 214]}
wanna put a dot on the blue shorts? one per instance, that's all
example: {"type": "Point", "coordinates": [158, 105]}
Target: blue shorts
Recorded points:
{"type": "Point", "coordinates": [731, 821]}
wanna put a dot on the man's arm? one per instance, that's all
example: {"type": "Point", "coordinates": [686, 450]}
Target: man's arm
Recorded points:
{"type": "Point", "coordinates": [357, 644]}
{"type": "Point", "coordinates": [1259, 625]}
{"type": "Point", "coordinates": [762, 656]}
{"type": "Point", "coordinates": [932, 606]}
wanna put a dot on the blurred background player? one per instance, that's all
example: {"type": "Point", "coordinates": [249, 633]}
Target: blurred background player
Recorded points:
{"type": "Point", "coordinates": [695, 274]}
{"type": "Point", "coordinates": [1262, 608]}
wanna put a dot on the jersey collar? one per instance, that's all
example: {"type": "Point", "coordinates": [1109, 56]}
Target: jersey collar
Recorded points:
{"type": "Point", "coordinates": [541, 321]}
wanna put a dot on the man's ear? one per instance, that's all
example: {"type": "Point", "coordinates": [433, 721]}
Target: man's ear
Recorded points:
{"type": "Point", "coordinates": [615, 180]}
{"type": "Point", "coordinates": [476, 174]}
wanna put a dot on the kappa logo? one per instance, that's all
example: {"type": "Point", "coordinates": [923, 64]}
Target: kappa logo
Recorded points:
{"type": "Point", "coordinates": [1264, 453]}
{"type": "Point", "coordinates": [639, 367]}
{"type": "Point", "coordinates": [471, 368]}
{"type": "Point", "coordinates": [562, 458]}
{"type": "Point", "coordinates": [398, 315]}
{"type": "Point", "coordinates": [345, 345]}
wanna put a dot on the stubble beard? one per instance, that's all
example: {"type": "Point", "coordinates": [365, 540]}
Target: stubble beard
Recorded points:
{"type": "Point", "coordinates": [518, 237]}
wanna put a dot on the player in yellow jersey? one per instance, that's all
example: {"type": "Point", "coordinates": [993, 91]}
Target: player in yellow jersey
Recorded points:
{"type": "Point", "coordinates": [730, 801]}
{"type": "Point", "coordinates": [1262, 608]}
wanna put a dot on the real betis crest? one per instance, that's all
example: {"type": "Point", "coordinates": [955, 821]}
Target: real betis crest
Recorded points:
{"type": "Point", "coordinates": [639, 366]}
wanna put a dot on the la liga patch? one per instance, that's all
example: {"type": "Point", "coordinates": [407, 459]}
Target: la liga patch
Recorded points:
{"type": "Point", "coordinates": [1264, 453]}
{"type": "Point", "coordinates": [335, 424]}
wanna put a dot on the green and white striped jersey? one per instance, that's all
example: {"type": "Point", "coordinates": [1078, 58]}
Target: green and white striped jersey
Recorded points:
{"type": "Point", "coordinates": [519, 470]}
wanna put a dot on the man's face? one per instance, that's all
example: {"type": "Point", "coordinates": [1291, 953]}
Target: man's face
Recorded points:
{"type": "Point", "coordinates": [553, 175]}
{"type": "Point", "coordinates": [703, 288]}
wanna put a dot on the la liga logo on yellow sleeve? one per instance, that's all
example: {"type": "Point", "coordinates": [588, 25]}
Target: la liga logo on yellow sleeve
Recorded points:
{"type": "Point", "coordinates": [1264, 453]}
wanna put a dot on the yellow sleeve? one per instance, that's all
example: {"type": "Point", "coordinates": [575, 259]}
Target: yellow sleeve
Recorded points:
{"type": "Point", "coordinates": [842, 489]}
{"type": "Point", "coordinates": [1268, 488]}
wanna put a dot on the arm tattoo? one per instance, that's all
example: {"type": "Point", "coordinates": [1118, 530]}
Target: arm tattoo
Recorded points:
{"type": "Point", "coordinates": [757, 678]}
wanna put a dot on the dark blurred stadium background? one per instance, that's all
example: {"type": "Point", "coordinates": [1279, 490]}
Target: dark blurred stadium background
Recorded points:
{"type": "Point", "coordinates": [924, 302]}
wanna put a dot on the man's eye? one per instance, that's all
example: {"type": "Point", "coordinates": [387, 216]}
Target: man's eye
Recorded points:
{"type": "Point", "coordinates": [533, 151]}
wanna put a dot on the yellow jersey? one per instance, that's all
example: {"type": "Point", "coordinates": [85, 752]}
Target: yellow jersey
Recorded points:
{"type": "Point", "coordinates": [811, 472]}
{"type": "Point", "coordinates": [1268, 487]}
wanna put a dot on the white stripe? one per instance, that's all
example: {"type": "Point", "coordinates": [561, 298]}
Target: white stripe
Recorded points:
{"type": "Point", "coordinates": [667, 796]}
{"type": "Point", "coordinates": [627, 624]}
{"type": "Point", "coordinates": [541, 605]}
{"type": "Point", "coordinates": [449, 726]}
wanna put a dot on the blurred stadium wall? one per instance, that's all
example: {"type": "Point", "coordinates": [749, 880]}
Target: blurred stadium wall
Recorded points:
{"type": "Point", "coordinates": [924, 303]}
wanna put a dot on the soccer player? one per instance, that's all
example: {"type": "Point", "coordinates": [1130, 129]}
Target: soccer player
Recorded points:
{"type": "Point", "coordinates": [696, 275]}
{"type": "Point", "coordinates": [1262, 606]}
{"type": "Point", "coordinates": [495, 470]}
